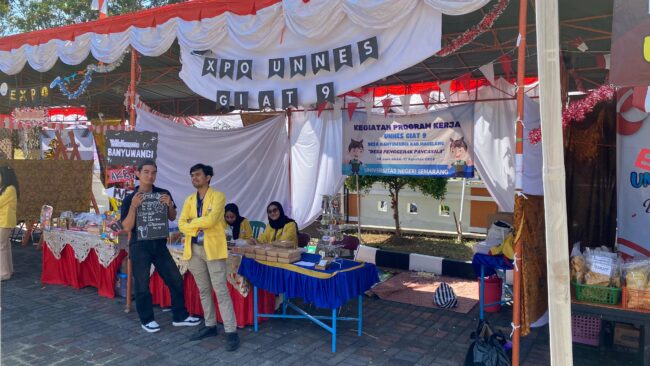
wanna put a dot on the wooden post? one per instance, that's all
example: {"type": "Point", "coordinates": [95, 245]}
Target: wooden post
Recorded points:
{"type": "Point", "coordinates": [29, 228]}
{"type": "Point", "coordinates": [356, 177]}
{"type": "Point", "coordinates": [129, 270]}
{"type": "Point", "coordinates": [134, 67]}
{"type": "Point", "coordinates": [519, 151]}
{"type": "Point", "coordinates": [554, 177]}
{"type": "Point", "coordinates": [288, 112]}
{"type": "Point", "coordinates": [129, 290]}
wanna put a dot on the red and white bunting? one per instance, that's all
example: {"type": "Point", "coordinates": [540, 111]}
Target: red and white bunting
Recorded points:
{"type": "Point", "coordinates": [101, 129]}
{"type": "Point", "coordinates": [351, 107]}
{"type": "Point", "coordinates": [387, 103]}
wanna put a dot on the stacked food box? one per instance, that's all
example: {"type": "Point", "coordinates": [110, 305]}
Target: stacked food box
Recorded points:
{"type": "Point", "coordinates": [269, 253]}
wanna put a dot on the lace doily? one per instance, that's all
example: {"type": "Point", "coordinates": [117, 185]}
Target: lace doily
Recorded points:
{"type": "Point", "coordinates": [81, 243]}
{"type": "Point", "coordinates": [238, 282]}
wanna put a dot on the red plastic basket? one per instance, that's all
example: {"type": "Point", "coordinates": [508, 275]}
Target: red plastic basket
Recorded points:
{"type": "Point", "coordinates": [586, 329]}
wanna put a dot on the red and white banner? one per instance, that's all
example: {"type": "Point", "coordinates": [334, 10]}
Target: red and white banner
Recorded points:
{"type": "Point", "coordinates": [633, 172]}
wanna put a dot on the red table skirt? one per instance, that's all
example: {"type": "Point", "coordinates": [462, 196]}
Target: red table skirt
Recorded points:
{"type": "Point", "coordinates": [70, 272]}
{"type": "Point", "coordinates": [243, 305]}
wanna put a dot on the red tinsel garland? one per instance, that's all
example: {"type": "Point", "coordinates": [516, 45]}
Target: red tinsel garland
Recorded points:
{"type": "Point", "coordinates": [578, 110]}
{"type": "Point", "coordinates": [469, 35]}
{"type": "Point", "coordinates": [535, 136]}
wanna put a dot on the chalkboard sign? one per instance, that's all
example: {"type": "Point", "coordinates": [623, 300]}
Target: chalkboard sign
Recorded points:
{"type": "Point", "coordinates": [130, 147]}
{"type": "Point", "coordinates": [151, 218]}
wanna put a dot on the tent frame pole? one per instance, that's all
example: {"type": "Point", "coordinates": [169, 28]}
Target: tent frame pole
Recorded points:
{"type": "Point", "coordinates": [519, 151]}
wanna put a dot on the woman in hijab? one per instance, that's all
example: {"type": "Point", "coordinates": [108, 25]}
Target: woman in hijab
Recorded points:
{"type": "Point", "coordinates": [8, 200]}
{"type": "Point", "coordinates": [240, 227]}
{"type": "Point", "coordinates": [280, 228]}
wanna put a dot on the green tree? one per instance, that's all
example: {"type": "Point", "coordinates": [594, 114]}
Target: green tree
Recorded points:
{"type": "Point", "coordinates": [20, 16]}
{"type": "Point", "coordinates": [432, 187]}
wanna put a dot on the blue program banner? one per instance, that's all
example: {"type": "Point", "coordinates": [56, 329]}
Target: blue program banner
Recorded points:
{"type": "Point", "coordinates": [434, 144]}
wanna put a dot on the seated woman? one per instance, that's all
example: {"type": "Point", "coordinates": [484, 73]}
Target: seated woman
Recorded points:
{"type": "Point", "coordinates": [239, 226]}
{"type": "Point", "coordinates": [280, 228]}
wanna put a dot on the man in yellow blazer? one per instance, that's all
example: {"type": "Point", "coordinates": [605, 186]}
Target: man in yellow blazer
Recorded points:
{"type": "Point", "coordinates": [206, 252]}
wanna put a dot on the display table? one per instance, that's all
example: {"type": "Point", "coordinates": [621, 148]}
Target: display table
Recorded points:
{"type": "Point", "coordinates": [328, 289]}
{"type": "Point", "coordinates": [238, 287]}
{"type": "Point", "coordinates": [487, 265]}
{"type": "Point", "coordinates": [617, 313]}
{"type": "Point", "coordinates": [80, 259]}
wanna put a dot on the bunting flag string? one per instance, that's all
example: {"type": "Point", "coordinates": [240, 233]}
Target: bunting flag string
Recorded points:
{"type": "Point", "coordinates": [12, 124]}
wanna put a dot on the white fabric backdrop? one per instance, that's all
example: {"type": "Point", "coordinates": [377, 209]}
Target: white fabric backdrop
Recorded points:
{"type": "Point", "coordinates": [250, 164]}
{"type": "Point", "coordinates": [407, 32]}
{"type": "Point", "coordinates": [315, 161]}
{"type": "Point", "coordinates": [316, 19]}
{"type": "Point", "coordinates": [494, 139]}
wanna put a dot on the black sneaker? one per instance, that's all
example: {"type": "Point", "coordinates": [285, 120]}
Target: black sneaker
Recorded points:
{"type": "Point", "coordinates": [204, 332]}
{"type": "Point", "coordinates": [233, 341]}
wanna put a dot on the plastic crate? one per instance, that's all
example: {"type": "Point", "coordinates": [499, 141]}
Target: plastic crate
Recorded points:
{"type": "Point", "coordinates": [636, 299]}
{"type": "Point", "coordinates": [597, 294]}
{"type": "Point", "coordinates": [586, 329]}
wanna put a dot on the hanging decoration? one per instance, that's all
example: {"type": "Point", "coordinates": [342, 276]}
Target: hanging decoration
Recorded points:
{"type": "Point", "coordinates": [535, 136]}
{"type": "Point", "coordinates": [469, 35]}
{"type": "Point", "coordinates": [578, 110]}
{"type": "Point", "coordinates": [63, 82]}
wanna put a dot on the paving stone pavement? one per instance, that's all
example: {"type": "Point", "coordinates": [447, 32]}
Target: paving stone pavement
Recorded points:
{"type": "Point", "coordinates": [58, 325]}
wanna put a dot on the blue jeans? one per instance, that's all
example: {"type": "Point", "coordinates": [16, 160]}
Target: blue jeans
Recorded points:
{"type": "Point", "coordinates": [143, 254]}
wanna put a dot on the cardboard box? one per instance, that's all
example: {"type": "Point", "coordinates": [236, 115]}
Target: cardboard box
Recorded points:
{"type": "Point", "coordinates": [260, 250]}
{"type": "Point", "coordinates": [260, 257]}
{"type": "Point", "coordinates": [287, 253]}
{"type": "Point", "coordinates": [626, 335]}
{"type": "Point", "coordinates": [328, 261]}
{"type": "Point", "coordinates": [288, 260]}
{"type": "Point", "coordinates": [284, 244]}
{"type": "Point", "coordinates": [249, 250]}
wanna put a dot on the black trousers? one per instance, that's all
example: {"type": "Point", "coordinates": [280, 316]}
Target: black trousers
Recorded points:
{"type": "Point", "coordinates": [143, 254]}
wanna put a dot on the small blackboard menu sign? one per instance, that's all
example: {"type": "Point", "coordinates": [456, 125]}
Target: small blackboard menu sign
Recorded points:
{"type": "Point", "coordinates": [151, 218]}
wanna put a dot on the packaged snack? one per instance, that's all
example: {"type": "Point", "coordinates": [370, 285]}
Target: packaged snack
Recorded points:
{"type": "Point", "coordinates": [578, 264]}
{"type": "Point", "coordinates": [602, 267]}
{"type": "Point", "coordinates": [636, 274]}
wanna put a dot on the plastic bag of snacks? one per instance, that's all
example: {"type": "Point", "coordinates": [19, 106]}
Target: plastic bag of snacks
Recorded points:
{"type": "Point", "coordinates": [578, 264]}
{"type": "Point", "coordinates": [603, 268]}
{"type": "Point", "coordinates": [636, 274]}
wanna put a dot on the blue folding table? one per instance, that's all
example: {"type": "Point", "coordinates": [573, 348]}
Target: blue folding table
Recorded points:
{"type": "Point", "coordinates": [329, 289]}
{"type": "Point", "coordinates": [486, 265]}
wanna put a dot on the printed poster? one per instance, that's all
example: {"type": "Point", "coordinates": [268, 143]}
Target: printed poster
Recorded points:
{"type": "Point", "coordinates": [633, 176]}
{"type": "Point", "coordinates": [434, 144]}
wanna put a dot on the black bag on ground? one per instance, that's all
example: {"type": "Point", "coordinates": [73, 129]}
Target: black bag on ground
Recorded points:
{"type": "Point", "coordinates": [487, 348]}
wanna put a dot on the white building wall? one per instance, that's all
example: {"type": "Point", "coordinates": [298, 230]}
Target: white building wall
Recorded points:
{"type": "Point", "coordinates": [428, 217]}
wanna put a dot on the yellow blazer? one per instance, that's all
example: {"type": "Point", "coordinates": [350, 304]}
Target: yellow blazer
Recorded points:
{"type": "Point", "coordinates": [245, 229]}
{"type": "Point", "coordinates": [8, 204]}
{"type": "Point", "coordinates": [289, 232]}
{"type": "Point", "coordinates": [211, 222]}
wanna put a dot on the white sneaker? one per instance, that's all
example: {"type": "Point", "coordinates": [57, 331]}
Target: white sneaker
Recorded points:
{"type": "Point", "coordinates": [190, 321]}
{"type": "Point", "coordinates": [151, 327]}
